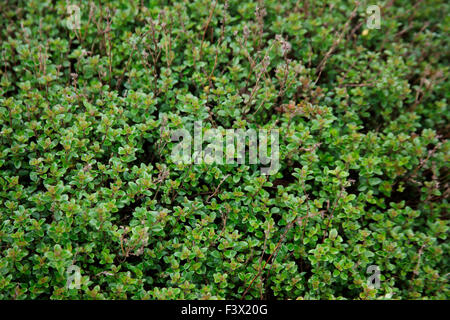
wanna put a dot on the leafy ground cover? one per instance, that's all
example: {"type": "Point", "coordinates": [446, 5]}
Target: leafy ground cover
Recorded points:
{"type": "Point", "coordinates": [87, 182]}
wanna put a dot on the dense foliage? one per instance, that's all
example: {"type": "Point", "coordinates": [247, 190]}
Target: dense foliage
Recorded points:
{"type": "Point", "coordinates": [87, 179]}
